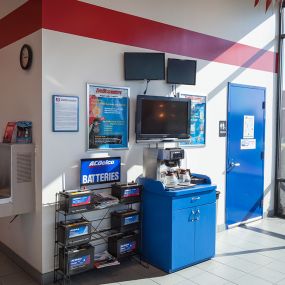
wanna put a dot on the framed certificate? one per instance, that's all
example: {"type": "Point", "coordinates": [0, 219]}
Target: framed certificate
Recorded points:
{"type": "Point", "coordinates": [65, 111]}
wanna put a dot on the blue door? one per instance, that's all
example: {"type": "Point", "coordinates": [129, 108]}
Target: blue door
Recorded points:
{"type": "Point", "coordinates": [245, 153]}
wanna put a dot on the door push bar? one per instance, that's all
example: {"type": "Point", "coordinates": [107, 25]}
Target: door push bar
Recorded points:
{"type": "Point", "coordinates": [232, 165]}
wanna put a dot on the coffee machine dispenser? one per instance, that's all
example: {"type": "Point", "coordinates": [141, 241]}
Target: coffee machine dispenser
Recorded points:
{"type": "Point", "coordinates": [162, 164]}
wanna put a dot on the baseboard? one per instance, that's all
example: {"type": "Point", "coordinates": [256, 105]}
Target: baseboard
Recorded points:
{"type": "Point", "coordinates": [220, 228]}
{"type": "Point", "coordinates": [47, 278]}
{"type": "Point", "coordinates": [269, 213]}
{"type": "Point", "coordinates": [252, 220]}
{"type": "Point", "coordinates": [29, 269]}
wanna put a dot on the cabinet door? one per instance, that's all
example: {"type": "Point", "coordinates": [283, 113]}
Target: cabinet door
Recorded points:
{"type": "Point", "coordinates": [205, 231]}
{"type": "Point", "coordinates": [183, 226]}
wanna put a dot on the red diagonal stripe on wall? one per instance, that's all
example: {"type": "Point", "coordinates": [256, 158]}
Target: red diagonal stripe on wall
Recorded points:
{"type": "Point", "coordinates": [21, 22]}
{"type": "Point", "coordinates": [83, 19]}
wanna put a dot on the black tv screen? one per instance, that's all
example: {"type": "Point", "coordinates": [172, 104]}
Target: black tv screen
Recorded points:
{"type": "Point", "coordinates": [181, 71]}
{"type": "Point", "coordinates": [140, 66]}
{"type": "Point", "coordinates": [162, 117]}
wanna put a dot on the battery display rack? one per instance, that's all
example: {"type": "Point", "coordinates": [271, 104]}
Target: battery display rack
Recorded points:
{"type": "Point", "coordinates": [77, 238]}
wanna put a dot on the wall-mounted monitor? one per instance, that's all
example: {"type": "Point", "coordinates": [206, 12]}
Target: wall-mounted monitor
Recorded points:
{"type": "Point", "coordinates": [142, 65]}
{"type": "Point", "coordinates": [162, 118]}
{"type": "Point", "coordinates": [100, 170]}
{"type": "Point", "coordinates": [181, 71]}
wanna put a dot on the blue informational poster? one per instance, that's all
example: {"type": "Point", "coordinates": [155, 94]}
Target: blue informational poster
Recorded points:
{"type": "Point", "coordinates": [108, 117]}
{"type": "Point", "coordinates": [100, 170]}
{"type": "Point", "coordinates": [198, 121]}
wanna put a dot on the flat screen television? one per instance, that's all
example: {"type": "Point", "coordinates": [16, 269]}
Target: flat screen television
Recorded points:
{"type": "Point", "coordinates": [99, 170]}
{"type": "Point", "coordinates": [142, 65]}
{"type": "Point", "coordinates": [162, 118]}
{"type": "Point", "coordinates": [181, 71]}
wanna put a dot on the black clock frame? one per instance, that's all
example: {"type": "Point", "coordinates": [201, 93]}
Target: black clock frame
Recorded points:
{"type": "Point", "coordinates": [30, 59]}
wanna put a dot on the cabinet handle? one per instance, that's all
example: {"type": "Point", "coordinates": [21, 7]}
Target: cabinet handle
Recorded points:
{"type": "Point", "coordinates": [198, 211]}
{"type": "Point", "coordinates": [196, 198]}
{"type": "Point", "coordinates": [193, 212]}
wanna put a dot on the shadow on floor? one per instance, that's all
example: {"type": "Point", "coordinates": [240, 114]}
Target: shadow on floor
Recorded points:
{"type": "Point", "coordinates": [261, 231]}
{"type": "Point", "coordinates": [250, 251]}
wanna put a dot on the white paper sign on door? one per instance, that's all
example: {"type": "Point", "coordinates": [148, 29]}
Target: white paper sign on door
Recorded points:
{"type": "Point", "coordinates": [248, 144]}
{"type": "Point", "coordinates": [248, 127]}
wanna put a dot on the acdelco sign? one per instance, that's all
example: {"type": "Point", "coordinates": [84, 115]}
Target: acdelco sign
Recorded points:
{"type": "Point", "coordinates": [101, 162]}
{"type": "Point", "coordinates": [100, 170]}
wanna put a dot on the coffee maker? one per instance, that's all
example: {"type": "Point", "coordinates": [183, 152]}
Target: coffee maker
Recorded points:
{"type": "Point", "coordinates": [163, 164]}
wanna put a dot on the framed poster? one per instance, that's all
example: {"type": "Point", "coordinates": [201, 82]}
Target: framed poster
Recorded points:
{"type": "Point", "coordinates": [198, 121]}
{"type": "Point", "coordinates": [107, 117]}
{"type": "Point", "coordinates": [65, 113]}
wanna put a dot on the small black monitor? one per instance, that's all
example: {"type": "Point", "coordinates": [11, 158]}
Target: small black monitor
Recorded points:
{"type": "Point", "coordinates": [142, 65]}
{"type": "Point", "coordinates": [181, 71]}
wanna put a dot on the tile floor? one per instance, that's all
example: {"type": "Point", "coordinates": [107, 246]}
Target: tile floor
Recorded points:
{"type": "Point", "coordinates": [248, 255]}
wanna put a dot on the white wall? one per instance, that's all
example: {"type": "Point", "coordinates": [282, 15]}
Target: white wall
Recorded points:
{"type": "Point", "coordinates": [69, 62]}
{"type": "Point", "coordinates": [20, 99]}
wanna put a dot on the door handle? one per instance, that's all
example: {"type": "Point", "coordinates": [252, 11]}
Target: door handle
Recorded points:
{"type": "Point", "coordinates": [232, 165]}
{"type": "Point", "coordinates": [197, 216]}
{"type": "Point", "coordinates": [191, 216]}
{"type": "Point", "coordinates": [196, 198]}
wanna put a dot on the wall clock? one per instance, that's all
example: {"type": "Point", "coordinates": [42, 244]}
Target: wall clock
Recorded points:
{"type": "Point", "coordinates": [26, 57]}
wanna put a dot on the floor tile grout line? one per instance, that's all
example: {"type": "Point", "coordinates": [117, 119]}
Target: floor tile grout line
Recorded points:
{"type": "Point", "coordinates": [250, 274]}
{"type": "Point", "coordinates": [189, 268]}
{"type": "Point", "coordinates": [256, 263]}
{"type": "Point", "coordinates": [168, 275]}
{"type": "Point", "coordinates": [234, 267]}
{"type": "Point", "coordinates": [251, 239]}
{"type": "Point", "coordinates": [211, 274]}
{"type": "Point", "coordinates": [244, 273]}
{"type": "Point", "coordinates": [266, 279]}
{"type": "Point", "coordinates": [244, 259]}
{"type": "Point", "coordinates": [275, 269]}
{"type": "Point", "coordinates": [257, 252]}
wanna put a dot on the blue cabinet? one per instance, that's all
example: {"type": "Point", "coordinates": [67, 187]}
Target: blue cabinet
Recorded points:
{"type": "Point", "coordinates": [178, 227]}
{"type": "Point", "coordinates": [183, 237]}
{"type": "Point", "coordinates": [205, 232]}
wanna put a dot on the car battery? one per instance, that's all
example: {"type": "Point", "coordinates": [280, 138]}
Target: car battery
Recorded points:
{"type": "Point", "coordinates": [127, 193]}
{"type": "Point", "coordinates": [74, 232]}
{"type": "Point", "coordinates": [125, 220]}
{"type": "Point", "coordinates": [120, 245]}
{"type": "Point", "coordinates": [76, 260]}
{"type": "Point", "coordinates": [75, 202]}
